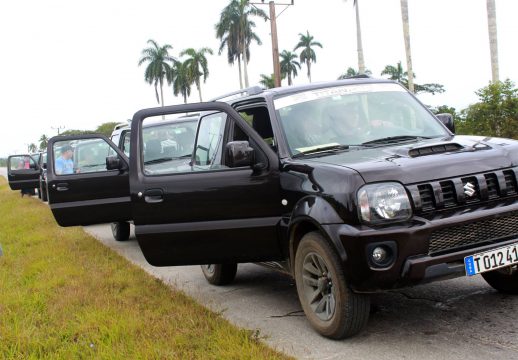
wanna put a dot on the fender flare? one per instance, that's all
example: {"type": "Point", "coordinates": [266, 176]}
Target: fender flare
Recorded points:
{"type": "Point", "coordinates": [319, 212]}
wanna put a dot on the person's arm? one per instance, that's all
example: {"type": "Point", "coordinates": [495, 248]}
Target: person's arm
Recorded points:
{"type": "Point", "coordinates": [59, 166]}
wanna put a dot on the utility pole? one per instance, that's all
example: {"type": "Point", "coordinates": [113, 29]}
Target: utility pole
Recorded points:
{"type": "Point", "coordinates": [275, 44]}
{"type": "Point", "coordinates": [58, 128]}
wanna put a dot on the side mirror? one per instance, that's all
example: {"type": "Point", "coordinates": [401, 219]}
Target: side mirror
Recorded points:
{"type": "Point", "coordinates": [44, 166]}
{"type": "Point", "coordinates": [447, 120]}
{"type": "Point", "coordinates": [114, 163]}
{"type": "Point", "coordinates": [239, 154]}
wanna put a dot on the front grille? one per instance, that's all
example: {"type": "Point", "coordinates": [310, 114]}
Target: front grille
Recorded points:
{"type": "Point", "coordinates": [461, 191]}
{"type": "Point", "coordinates": [484, 231]}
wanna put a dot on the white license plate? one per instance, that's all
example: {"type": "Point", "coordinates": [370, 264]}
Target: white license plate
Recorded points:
{"type": "Point", "coordinates": [491, 260]}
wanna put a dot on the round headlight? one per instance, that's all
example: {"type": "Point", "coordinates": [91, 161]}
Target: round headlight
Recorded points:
{"type": "Point", "coordinates": [384, 202]}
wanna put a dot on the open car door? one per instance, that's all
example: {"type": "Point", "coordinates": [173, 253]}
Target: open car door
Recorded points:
{"type": "Point", "coordinates": [211, 195]}
{"type": "Point", "coordinates": [87, 180]}
{"type": "Point", "coordinates": [23, 172]}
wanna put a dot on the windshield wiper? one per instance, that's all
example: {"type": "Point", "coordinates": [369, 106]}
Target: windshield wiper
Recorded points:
{"type": "Point", "coordinates": [394, 139]}
{"type": "Point", "coordinates": [325, 148]}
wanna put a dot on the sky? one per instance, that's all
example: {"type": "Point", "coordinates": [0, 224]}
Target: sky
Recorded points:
{"type": "Point", "coordinates": [74, 64]}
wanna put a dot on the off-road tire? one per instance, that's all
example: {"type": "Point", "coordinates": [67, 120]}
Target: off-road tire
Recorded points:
{"type": "Point", "coordinates": [327, 283]}
{"type": "Point", "coordinates": [120, 230]}
{"type": "Point", "coordinates": [219, 274]}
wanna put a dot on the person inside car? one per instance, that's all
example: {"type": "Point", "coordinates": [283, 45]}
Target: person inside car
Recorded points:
{"type": "Point", "coordinates": [64, 164]}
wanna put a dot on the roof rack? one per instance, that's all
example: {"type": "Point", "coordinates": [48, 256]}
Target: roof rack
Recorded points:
{"type": "Point", "coordinates": [120, 126]}
{"type": "Point", "coordinates": [253, 90]}
{"type": "Point", "coordinates": [358, 76]}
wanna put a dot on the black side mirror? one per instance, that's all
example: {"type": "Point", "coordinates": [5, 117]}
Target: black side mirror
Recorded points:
{"type": "Point", "coordinates": [44, 166]}
{"type": "Point", "coordinates": [447, 120]}
{"type": "Point", "coordinates": [239, 154]}
{"type": "Point", "coordinates": [114, 163]}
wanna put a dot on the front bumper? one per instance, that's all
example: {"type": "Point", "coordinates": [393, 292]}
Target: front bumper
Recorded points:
{"type": "Point", "coordinates": [418, 257]}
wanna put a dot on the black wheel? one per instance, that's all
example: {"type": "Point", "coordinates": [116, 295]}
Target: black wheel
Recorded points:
{"type": "Point", "coordinates": [330, 306]}
{"type": "Point", "coordinates": [121, 230]}
{"type": "Point", "coordinates": [219, 274]}
{"type": "Point", "coordinates": [504, 280]}
{"type": "Point", "coordinates": [43, 192]}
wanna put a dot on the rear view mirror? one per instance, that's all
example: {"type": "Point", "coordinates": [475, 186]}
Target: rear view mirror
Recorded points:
{"type": "Point", "coordinates": [239, 154]}
{"type": "Point", "coordinates": [447, 120]}
{"type": "Point", "coordinates": [114, 163]}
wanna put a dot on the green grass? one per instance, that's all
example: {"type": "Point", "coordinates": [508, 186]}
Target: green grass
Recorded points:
{"type": "Point", "coordinates": [63, 295]}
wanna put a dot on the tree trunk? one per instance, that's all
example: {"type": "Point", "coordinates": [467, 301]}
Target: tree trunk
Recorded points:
{"type": "Point", "coordinates": [359, 47]}
{"type": "Point", "coordinates": [309, 70]}
{"type": "Point", "coordinates": [162, 95]}
{"type": "Point", "coordinates": [289, 78]}
{"type": "Point", "coordinates": [240, 74]}
{"type": "Point", "coordinates": [406, 35]}
{"type": "Point", "coordinates": [245, 67]}
{"type": "Point", "coordinates": [198, 86]}
{"type": "Point", "coordinates": [493, 40]}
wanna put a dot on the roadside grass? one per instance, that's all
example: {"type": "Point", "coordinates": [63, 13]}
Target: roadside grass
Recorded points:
{"type": "Point", "coordinates": [63, 295]}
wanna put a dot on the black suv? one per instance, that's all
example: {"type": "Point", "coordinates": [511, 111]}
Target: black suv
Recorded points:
{"type": "Point", "coordinates": [351, 186]}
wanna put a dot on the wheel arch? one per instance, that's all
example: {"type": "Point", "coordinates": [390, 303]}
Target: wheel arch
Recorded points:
{"type": "Point", "coordinates": [313, 213]}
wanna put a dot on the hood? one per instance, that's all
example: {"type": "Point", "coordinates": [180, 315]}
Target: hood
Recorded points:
{"type": "Point", "coordinates": [426, 160]}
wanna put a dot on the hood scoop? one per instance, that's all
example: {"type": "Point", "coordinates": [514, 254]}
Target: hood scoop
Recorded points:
{"type": "Point", "coordinates": [434, 149]}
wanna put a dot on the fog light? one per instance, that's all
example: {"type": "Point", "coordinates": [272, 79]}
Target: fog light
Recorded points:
{"type": "Point", "coordinates": [379, 255]}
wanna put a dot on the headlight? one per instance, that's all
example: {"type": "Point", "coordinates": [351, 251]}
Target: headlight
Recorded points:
{"type": "Point", "coordinates": [383, 202]}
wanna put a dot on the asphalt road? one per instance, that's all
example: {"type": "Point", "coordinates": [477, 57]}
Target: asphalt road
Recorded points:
{"type": "Point", "coordinates": [454, 319]}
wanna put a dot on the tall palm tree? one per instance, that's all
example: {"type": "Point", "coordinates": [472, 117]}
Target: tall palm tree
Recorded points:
{"type": "Point", "coordinates": [197, 65]}
{"type": "Point", "coordinates": [289, 65]}
{"type": "Point", "coordinates": [182, 80]}
{"type": "Point", "coordinates": [32, 147]}
{"type": "Point", "coordinates": [359, 46]}
{"type": "Point", "coordinates": [307, 55]}
{"type": "Point", "coordinates": [229, 41]}
{"type": "Point", "coordinates": [406, 35]}
{"type": "Point", "coordinates": [44, 140]}
{"type": "Point", "coordinates": [159, 66]}
{"type": "Point", "coordinates": [235, 30]}
{"type": "Point", "coordinates": [493, 40]}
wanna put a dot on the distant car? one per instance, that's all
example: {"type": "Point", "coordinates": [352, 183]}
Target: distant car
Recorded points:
{"type": "Point", "coordinates": [23, 172]}
{"type": "Point", "coordinates": [42, 190]}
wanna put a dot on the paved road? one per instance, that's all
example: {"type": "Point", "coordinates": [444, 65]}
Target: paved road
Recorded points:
{"type": "Point", "coordinates": [455, 319]}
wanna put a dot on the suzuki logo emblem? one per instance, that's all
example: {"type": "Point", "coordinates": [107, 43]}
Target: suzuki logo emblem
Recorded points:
{"type": "Point", "coordinates": [469, 189]}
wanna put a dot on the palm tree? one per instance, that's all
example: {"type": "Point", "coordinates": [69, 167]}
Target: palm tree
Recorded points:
{"type": "Point", "coordinates": [350, 72]}
{"type": "Point", "coordinates": [235, 30]}
{"type": "Point", "coordinates": [307, 55]}
{"type": "Point", "coordinates": [32, 147]}
{"type": "Point", "coordinates": [44, 140]}
{"type": "Point", "coordinates": [159, 66]}
{"type": "Point", "coordinates": [493, 40]}
{"type": "Point", "coordinates": [182, 80]}
{"type": "Point", "coordinates": [406, 35]}
{"type": "Point", "coordinates": [396, 73]}
{"type": "Point", "coordinates": [197, 65]}
{"type": "Point", "coordinates": [289, 65]}
{"type": "Point", "coordinates": [267, 81]}
{"type": "Point", "coordinates": [359, 47]}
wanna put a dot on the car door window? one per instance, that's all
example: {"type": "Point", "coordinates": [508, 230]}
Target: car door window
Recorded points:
{"type": "Point", "coordinates": [209, 144]}
{"type": "Point", "coordinates": [21, 162]}
{"type": "Point", "coordinates": [81, 156]}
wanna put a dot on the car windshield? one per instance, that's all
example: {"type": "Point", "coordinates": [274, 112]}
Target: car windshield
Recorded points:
{"type": "Point", "coordinates": [352, 115]}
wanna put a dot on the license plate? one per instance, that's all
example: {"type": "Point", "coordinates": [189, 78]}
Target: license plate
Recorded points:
{"type": "Point", "coordinates": [491, 260]}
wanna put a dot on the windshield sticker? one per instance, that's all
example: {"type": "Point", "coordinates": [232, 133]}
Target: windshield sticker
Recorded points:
{"type": "Point", "coordinates": [333, 92]}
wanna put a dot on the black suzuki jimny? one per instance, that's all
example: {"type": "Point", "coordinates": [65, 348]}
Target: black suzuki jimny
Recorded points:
{"type": "Point", "coordinates": [352, 187]}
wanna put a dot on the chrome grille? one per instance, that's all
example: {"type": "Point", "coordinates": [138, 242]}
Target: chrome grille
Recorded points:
{"type": "Point", "coordinates": [499, 228]}
{"type": "Point", "coordinates": [454, 192]}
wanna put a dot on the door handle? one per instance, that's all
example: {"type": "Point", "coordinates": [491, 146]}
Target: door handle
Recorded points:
{"type": "Point", "coordinates": [154, 196]}
{"type": "Point", "coordinates": [61, 186]}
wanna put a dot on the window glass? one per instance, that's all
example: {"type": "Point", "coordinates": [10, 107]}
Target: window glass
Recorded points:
{"type": "Point", "coordinates": [22, 162]}
{"type": "Point", "coordinates": [208, 154]}
{"type": "Point", "coordinates": [126, 143]}
{"type": "Point", "coordinates": [81, 156]}
{"type": "Point", "coordinates": [352, 115]}
{"type": "Point", "coordinates": [168, 145]}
